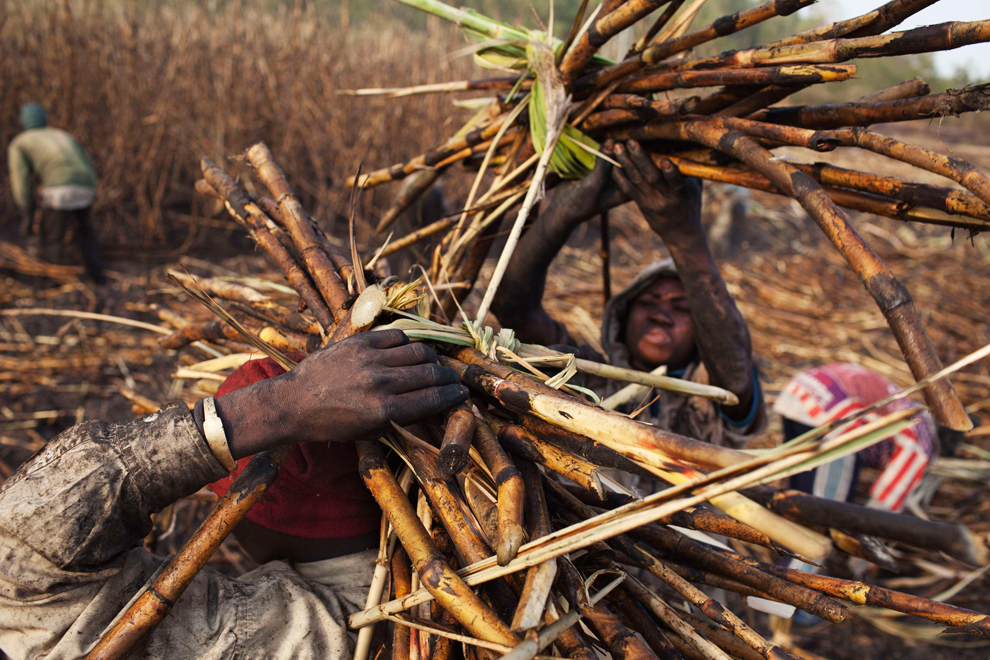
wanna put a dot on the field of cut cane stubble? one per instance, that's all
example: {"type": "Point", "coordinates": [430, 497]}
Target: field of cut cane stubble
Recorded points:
{"type": "Point", "coordinates": [148, 88]}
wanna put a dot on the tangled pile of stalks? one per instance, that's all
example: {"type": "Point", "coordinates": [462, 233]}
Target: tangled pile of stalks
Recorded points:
{"type": "Point", "coordinates": [519, 536]}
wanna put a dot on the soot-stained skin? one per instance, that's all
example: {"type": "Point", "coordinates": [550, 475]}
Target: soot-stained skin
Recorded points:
{"type": "Point", "coordinates": [671, 205]}
{"type": "Point", "coordinates": [348, 391]}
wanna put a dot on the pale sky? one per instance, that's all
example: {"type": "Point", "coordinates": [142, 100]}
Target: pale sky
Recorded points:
{"type": "Point", "coordinates": [975, 57]}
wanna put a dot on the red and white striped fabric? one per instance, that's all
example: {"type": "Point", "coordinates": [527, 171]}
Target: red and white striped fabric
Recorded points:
{"type": "Point", "coordinates": [822, 395]}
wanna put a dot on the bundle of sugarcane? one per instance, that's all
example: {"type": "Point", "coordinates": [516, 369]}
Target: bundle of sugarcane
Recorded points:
{"type": "Point", "coordinates": [562, 99]}
{"type": "Point", "coordinates": [517, 528]}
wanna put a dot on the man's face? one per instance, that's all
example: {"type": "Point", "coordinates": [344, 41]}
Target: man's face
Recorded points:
{"type": "Point", "coordinates": [658, 328]}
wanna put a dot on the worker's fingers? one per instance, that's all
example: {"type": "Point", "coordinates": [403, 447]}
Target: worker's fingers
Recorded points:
{"type": "Point", "coordinates": [412, 406]}
{"type": "Point", "coordinates": [626, 186]}
{"type": "Point", "coordinates": [671, 174]}
{"type": "Point", "coordinates": [408, 355]}
{"type": "Point", "coordinates": [419, 377]}
{"type": "Point", "coordinates": [629, 168]}
{"type": "Point", "coordinates": [644, 163]}
{"type": "Point", "coordinates": [382, 338]}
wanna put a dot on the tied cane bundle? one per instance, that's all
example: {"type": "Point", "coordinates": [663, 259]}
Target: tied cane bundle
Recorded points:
{"type": "Point", "coordinates": [506, 527]}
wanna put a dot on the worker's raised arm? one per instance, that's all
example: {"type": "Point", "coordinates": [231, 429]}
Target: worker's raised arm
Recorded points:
{"type": "Point", "coordinates": [519, 301]}
{"type": "Point", "coordinates": [671, 205]}
{"type": "Point", "coordinates": [71, 518]}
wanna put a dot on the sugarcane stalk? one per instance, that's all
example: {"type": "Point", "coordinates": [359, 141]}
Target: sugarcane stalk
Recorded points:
{"type": "Point", "coordinates": [890, 295]}
{"type": "Point", "coordinates": [641, 108]}
{"type": "Point", "coordinates": [244, 210]}
{"type": "Point", "coordinates": [402, 585]}
{"type": "Point", "coordinates": [153, 605]}
{"type": "Point", "coordinates": [678, 546]}
{"type": "Point", "coordinates": [418, 235]}
{"type": "Point", "coordinates": [414, 187]}
{"type": "Point", "coordinates": [200, 331]}
{"type": "Point", "coordinates": [539, 579]}
{"type": "Point", "coordinates": [621, 641]}
{"type": "Point", "coordinates": [714, 580]}
{"type": "Point", "coordinates": [582, 446]}
{"type": "Point", "coordinates": [659, 24]}
{"type": "Point", "coordinates": [527, 446]}
{"type": "Point", "coordinates": [432, 158]}
{"type": "Point", "coordinates": [965, 621]}
{"type": "Point", "coordinates": [440, 580]}
{"type": "Point", "coordinates": [485, 84]}
{"type": "Point", "coordinates": [953, 539]}
{"type": "Point", "coordinates": [931, 38]}
{"type": "Point", "coordinates": [482, 504]}
{"type": "Point", "coordinates": [712, 609]}
{"type": "Point", "coordinates": [466, 537]}
{"type": "Point", "coordinates": [254, 300]}
{"type": "Point", "coordinates": [456, 441]}
{"type": "Point", "coordinates": [961, 171]}
{"type": "Point", "coordinates": [906, 89]}
{"type": "Point", "coordinates": [511, 492]}
{"type": "Point", "coordinates": [700, 518]}
{"type": "Point", "coordinates": [866, 113]}
{"type": "Point", "coordinates": [899, 209]}
{"type": "Point", "coordinates": [300, 228]}
{"type": "Point", "coordinates": [722, 637]}
{"type": "Point", "coordinates": [640, 621]}
{"type": "Point", "coordinates": [662, 452]}
{"type": "Point", "coordinates": [606, 25]}
{"type": "Point", "coordinates": [719, 28]}
{"type": "Point", "coordinates": [774, 75]}
{"type": "Point", "coordinates": [672, 620]}
{"type": "Point", "coordinates": [286, 341]}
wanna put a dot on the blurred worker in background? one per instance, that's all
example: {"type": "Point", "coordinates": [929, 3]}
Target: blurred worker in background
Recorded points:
{"type": "Point", "coordinates": [677, 313]}
{"type": "Point", "coordinates": [49, 169]}
{"type": "Point", "coordinates": [820, 396]}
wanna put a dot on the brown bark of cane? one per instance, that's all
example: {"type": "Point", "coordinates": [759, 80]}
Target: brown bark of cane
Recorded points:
{"type": "Point", "coordinates": [511, 492]}
{"type": "Point", "coordinates": [641, 621]}
{"type": "Point", "coordinates": [720, 28]}
{"type": "Point", "coordinates": [244, 210]}
{"type": "Point", "coordinates": [866, 113]}
{"type": "Point", "coordinates": [437, 576]}
{"type": "Point", "coordinates": [456, 441]}
{"type": "Point", "coordinates": [905, 207]}
{"type": "Point", "coordinates": [300, 228]}
{"type": "Point", "coordinates": [402, 580]}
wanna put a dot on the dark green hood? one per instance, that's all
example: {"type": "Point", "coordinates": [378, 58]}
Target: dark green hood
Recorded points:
{"type": "Point", "coordinates": [33, 116]}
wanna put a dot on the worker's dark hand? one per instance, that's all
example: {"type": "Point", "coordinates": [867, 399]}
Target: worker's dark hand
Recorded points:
{"type": "Point", "coordinates": [591, 195]}
{"type": "Point", "coordinates": [348, 391]}
{"type": "Point", "coordinates": [670, 202]}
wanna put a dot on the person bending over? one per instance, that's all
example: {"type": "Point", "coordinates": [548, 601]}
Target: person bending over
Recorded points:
{"type": "Point", "coordinates": [66, 188]}
{"type": "Point", "coordinates": [677, 313]}
{"type": "Point", "coordinates": [822, 395]}
{"type": "Point", "coordinates": [73, 516]}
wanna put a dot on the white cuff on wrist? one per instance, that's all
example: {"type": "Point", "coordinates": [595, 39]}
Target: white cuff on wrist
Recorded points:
{"type": "Point", "coordinates": [215, 437]}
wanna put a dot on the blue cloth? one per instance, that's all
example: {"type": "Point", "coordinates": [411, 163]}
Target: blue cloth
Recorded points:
{"type": "Point", "coordinates": [754, 407]}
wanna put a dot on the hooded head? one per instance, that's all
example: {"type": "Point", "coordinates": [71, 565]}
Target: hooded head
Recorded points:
{"type": "Point", "coordinates": [33, 116]}
{"type": "Point", "coordinates": [649, 323]}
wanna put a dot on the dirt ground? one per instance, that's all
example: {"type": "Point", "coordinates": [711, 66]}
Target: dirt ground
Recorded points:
{"type": "Point", "coordinates": [804, 306]}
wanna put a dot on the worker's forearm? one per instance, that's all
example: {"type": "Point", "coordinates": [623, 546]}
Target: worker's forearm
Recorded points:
{"type": "Point", "coordinates": [89, 495]}
{"type": "Point", "coordinates": [720, 330]}
{"type": "Point", "coordinates": [518, 303]}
